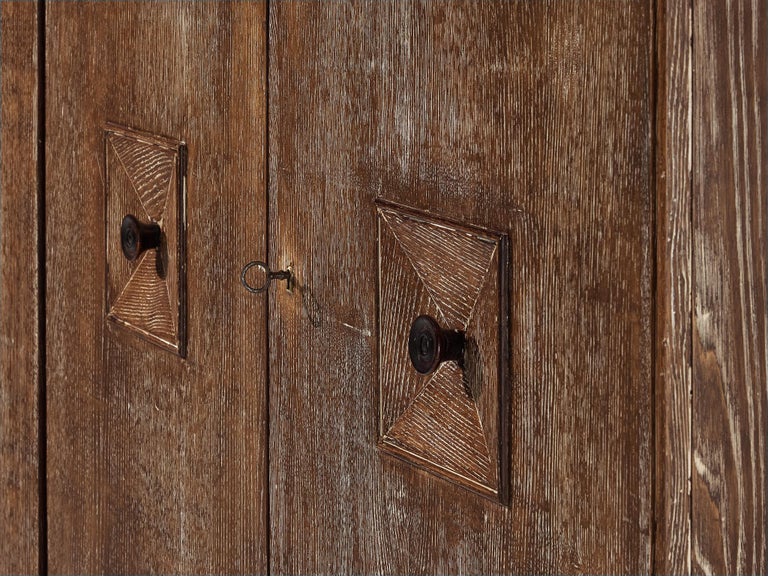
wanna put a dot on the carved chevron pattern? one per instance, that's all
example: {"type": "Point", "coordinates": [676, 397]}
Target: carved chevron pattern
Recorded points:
{"type": "Point", "coordinates": [149, 168]}
{"type": "Point", "coordinates": [439, 422]}
{"type": "Point", "coordinates": [452, 265]}
{"type": "Point", "coordinates": [142, 180]}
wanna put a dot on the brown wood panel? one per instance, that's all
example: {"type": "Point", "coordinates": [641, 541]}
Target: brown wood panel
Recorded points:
{"type": "Point", "coordinates": [672, 553]}
{"type": "Point", "coordinates": [19, 288]}
{"type": "Point", "coordinates": [531, 118]}
{"type": "Point", "coordinates": [730, 123]}
{"type": "Point", "coordinates": [157, 463]}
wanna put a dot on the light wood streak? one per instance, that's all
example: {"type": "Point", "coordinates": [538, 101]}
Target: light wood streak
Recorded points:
{"type": "Point", "coordinates": [673, 293]}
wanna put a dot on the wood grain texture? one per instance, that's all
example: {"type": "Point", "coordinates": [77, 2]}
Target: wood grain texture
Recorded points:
{"type": "Point", "coordinates": [531, 118]}
{"type": "Point", "coordinates": [157, 463]}
{"type": "Point", "coordinates": [447, 422]}
{"type": "Point", "coordinates": [20, 507]}
{"type": "Point", "coordinates": [672, 554]}
{"type": "Point", "coordinates": [730, 123]}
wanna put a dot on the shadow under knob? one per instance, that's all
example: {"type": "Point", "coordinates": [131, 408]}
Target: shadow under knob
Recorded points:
{"type": "Point", "coordinates": [136, 237]}
{"type": "Point", "coordinates": [429, 345]}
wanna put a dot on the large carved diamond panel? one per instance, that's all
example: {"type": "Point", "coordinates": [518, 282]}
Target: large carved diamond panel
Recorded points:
{"type": "Point", "coordinates": [452, 422]}
{"type": "Point", "coordinates": [145, 178]}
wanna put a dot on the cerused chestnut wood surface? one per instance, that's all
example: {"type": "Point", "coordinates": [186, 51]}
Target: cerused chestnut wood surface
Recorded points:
{"type": "Point", "coordinates": [156, 463]}
{"type": "Point", "coordinates": [20, 509]}
{"type": "Point", "coordinates": [620, 145]}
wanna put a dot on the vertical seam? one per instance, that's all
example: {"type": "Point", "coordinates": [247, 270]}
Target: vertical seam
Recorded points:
{"type": "Point", "coordinates": [268, 362]}
{"type": "Point", "coordinates": [41, 295]}
{"type": "Point", "coordinates": [654, 54]}
{"type": "Point", "coordinates": [692, 272]}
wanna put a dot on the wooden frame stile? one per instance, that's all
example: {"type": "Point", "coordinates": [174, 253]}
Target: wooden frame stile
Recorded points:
{"type": "Point", "coordinates": [22, 417]}
{"type": "Point", "coordinates": [710, 377]}
{"type": "Point", "coordinates": [728, 442]}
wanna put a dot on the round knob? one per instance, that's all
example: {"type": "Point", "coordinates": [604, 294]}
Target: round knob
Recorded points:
{"type": "Point", "coordinates": [429, 345]}
{"type": "Point", "coordinates": [135, 237]}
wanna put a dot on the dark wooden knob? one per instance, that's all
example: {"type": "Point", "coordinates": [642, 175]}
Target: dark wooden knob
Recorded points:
{"type": "Point", "coordinates": [429, 345]}
{"type": "Point", "coordinates": [135, 236]}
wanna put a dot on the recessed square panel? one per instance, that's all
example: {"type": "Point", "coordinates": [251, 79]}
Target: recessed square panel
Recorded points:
{"type": "Point", "coordinates": [452, 422]}
{"type": "Point", "coordinates": [145, 178]}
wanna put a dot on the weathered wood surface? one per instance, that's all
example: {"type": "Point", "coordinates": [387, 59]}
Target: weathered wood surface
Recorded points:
{"type": "Point", "coordinates": [673, 289]}
{"type": "Point", "coordinates": [532, 118]}
{"type": "Point", "coordinates": [730, 124]}
{"type": "Point", "coordinates": [528, 117]}
{"type": "Point", "coordinates": [20, 522]}
{"type": "Point", "coordinates": [157, 464]}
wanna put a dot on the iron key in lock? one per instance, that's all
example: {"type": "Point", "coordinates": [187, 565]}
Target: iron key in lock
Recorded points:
{"type": "Point", "coordinates": [269, 276]}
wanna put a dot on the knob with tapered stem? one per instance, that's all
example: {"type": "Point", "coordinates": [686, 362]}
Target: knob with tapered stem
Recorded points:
{"type": "Point", "coordinates": [429, 345]}
{"type": "Point", "coordinates": [136, 236]}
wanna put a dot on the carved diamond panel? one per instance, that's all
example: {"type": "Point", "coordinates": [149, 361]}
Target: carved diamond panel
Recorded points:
{"type": "Point", "coordinates": [145, 178]}
{"type": "Point", "coordinates": [452, 422]}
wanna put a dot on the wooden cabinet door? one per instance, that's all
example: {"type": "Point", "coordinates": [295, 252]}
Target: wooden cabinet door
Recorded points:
{"type": "Point", "coordinates": [155, 449]}
{"type": "Point", "coordinates": [529, 119]}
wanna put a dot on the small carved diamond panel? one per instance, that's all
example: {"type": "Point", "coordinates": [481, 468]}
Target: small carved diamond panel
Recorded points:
{"type": "Point", "coordinates": [145, 179]}
{"type": "Point", "coordinates": [453, 421]}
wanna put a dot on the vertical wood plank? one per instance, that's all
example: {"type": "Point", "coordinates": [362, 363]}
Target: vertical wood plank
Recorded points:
{"type": "Point", "coordinates": [157, 463]}
{"type": "Point", "coordinates": [19, 292]}
{"type": "Point", "coordinates": [531, 118]}
{"type": "Point", "coordinates": [729, 286]}
{"type": "Point", "coordinates": [673, 288]}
